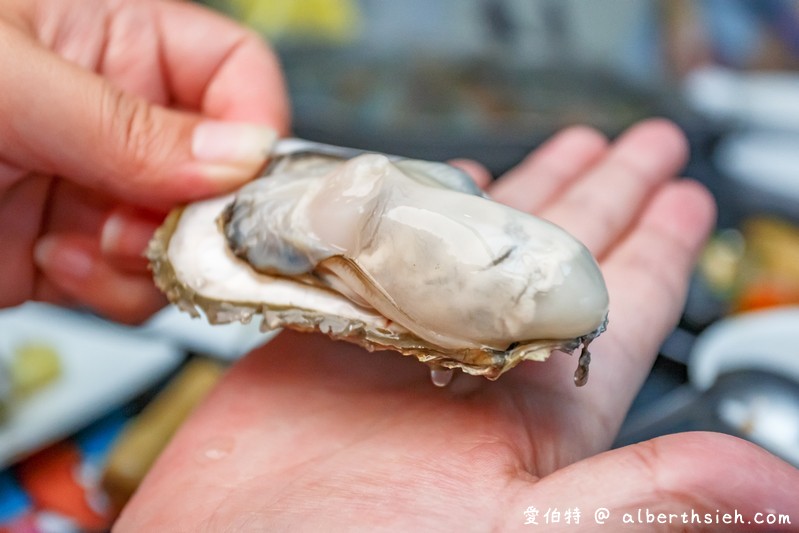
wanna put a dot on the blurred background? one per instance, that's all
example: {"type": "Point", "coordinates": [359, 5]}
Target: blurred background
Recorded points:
{"type": "Point", "coordinates": [488, 80]}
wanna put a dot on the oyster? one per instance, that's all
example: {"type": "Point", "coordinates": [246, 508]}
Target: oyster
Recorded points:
{"type": "Point", "coordinates": [397, 254]}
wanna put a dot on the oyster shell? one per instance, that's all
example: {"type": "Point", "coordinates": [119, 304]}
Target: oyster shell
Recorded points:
{"type": "Point", "coordinates": [400, 254]}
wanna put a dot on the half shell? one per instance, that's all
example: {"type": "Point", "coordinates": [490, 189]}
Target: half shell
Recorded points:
{"type": "Point", "coordinates": [400, 255]}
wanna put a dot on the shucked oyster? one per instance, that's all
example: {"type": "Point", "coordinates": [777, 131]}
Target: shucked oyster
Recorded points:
{"type": "Point", "coordinates": [387, 254]}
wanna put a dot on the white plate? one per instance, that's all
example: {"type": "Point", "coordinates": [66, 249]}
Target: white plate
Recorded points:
{"type": "Point", "coordinates": [224, 341]}
{"type": "Point", "coordinates": [103, 365]}
{"type": "Point", "coordinates": [759, 340]}
{"type": "Point", "coordinates": [759, 99]}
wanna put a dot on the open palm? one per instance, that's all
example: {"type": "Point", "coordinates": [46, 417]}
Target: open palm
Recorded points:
{"type": "Point", "coordinates": [310, 434]}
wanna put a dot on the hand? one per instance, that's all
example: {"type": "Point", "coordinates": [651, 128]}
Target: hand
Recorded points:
{"type": "Point", "coordinates": [312, 435]}
{"type": "Point", "coordinates": [113, 111]}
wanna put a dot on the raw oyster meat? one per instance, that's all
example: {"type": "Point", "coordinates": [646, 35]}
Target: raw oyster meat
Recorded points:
{"type": "Point", "coordinates": [397, 254]}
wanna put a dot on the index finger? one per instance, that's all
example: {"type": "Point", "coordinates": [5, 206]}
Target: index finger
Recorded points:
{"type": "Point", "coordinates": [219, 67]}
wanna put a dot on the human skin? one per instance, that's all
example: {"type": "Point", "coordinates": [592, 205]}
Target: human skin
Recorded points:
{"type": "Point", "coordinates": [306, 434]}
{"type": "Point", "coordinates": [110, 117]}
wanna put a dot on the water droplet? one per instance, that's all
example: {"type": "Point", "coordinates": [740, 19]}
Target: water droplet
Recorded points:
{"type": "Point", "coordinates": [215, 449]}
{"type": "Point", "coordinates": [441, 377]}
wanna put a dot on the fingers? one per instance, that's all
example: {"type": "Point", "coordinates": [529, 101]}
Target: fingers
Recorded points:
{"type": "Point", "coordinates": [600, 206]}
{"type": "Point", "coordinates": [124, 238]}
{"type": "Point", "coordinates": [71, 208]}
{"type": "Point", "coordinates": [21, 205]}
{"type": "Point", "coordinates": [703, 475]}
{"type": "Point", "coordinates": [659, 254]}
{"type": "Point", "coordinates": [9, 174]}
{"type": "Point", "coordinates": [88, 129]}
{"type": "Point", "coordinates": [544, 174]}
{"type": "Point", "coordinates": [123, 231]}
{"type": "Point", "coordinates": [647, 277]}
{"type": "Point", "coordinates": [623, 201]}
{"type": "Point", "coordinates": [479, 173]}
{"type": "Point", "coordinates": [73, 264]}
{"type": "Point", "coordinates": [234, 75]}
{"type": "Point", "coordinates": [593, 191]}
{"type": "Point", "coordinates": [47, 291]}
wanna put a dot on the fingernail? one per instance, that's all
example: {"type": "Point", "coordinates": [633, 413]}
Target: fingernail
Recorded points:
{"type": "Point", "coordinates": [124, 234]}
{"type": "Point", "coordinates": [70, 260]}
{"type": "Point", "coordinates": [232, 143]}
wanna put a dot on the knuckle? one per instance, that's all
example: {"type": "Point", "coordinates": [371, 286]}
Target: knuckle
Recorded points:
{"type": "Point", "coordinates": [130, 129]}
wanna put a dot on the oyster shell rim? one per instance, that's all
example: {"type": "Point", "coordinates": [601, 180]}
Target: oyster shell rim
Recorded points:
{"type": "Point", "coordinates": [488, 363]}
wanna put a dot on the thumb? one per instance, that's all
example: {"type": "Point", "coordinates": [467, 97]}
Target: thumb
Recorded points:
{"type": "Point", "coordinates": [59, 118]}
{"type": "Point", "coordinates": [689, 481]}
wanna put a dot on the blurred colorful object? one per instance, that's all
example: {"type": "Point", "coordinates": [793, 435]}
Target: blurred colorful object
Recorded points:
{"type": "Point", "coordinates": [311, 20]}
{"type": "Point", "coordinates": [99, 366]}
{"type": "Point", "coordinates": [52, 480]}
{"type": "Point", "coordinates": [146, 436]}
{"type": "Point", "coordinates": [33, 366]}
{"type": "Point", "coordinates": [5, 391]}
{"type": "Point", "coordinates": [58, 489]}
{"type": "Point", "coordinates": [756, 267]}
{"type": "Point", "coordinates": [721, 260]}
{"type": "Point", "coordinates": [15, 504]}
{"type": "Point", "coordinates": [769, 270]}
{"type": "Point", "coordinates": [81, 483]}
